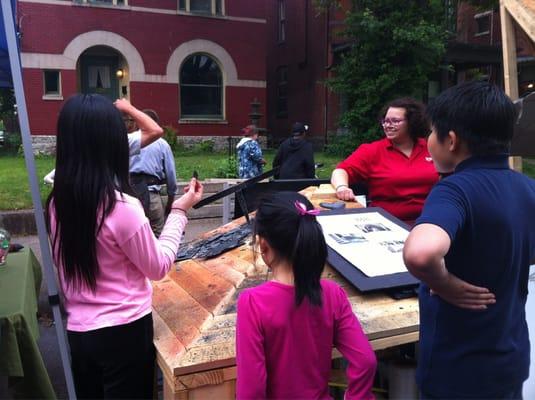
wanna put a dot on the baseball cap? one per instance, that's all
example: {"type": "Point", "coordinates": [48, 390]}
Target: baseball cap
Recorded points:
{"type": "Point", "coordinates": [248, 130]}
{"type": "Point", "coordinates": [299, 127]}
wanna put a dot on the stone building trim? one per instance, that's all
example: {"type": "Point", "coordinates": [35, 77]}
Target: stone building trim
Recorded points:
{"type": "Point", "coordinates": [136, 67]}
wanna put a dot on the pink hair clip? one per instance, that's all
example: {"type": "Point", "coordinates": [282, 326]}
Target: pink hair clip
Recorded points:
{"type": "Point", "coordinates": [302, 209]}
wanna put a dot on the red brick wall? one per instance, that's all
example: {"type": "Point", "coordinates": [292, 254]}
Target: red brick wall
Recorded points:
{"type": "Point", "coordinates": [43, 113]}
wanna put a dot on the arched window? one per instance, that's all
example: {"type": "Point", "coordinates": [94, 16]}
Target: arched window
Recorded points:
{"type": "Point", "coordinates": [201, 88]}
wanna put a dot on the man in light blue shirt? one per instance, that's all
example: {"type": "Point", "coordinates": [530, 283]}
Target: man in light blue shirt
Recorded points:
{"type": "Point", "coordinates": [155, 168]}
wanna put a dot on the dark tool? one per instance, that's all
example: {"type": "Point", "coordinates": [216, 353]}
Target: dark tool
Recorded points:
{"type": "Point", "coordinates": [238, 190]}
{"type": "Point", "coordinates": [195, 174]}
{"type": "Point", "coordinates": [334, 206]}
{"type": "Point", "coordinates": [215, 245]}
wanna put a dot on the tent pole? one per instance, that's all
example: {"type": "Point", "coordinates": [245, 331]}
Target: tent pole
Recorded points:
{"type": "Point", "coordinates": [16, 72]}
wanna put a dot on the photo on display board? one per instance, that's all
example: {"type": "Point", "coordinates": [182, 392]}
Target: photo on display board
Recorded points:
{"type": "Point", "coordinates": [347, 238]}
{"type": "Point", "coordinates": [377, 227]}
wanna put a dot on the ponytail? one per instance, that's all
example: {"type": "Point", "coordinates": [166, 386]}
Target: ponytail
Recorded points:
{"type": "Point", "coordinates": [296, 237]}
{"type": "Point", "coordinates": [308, 260]}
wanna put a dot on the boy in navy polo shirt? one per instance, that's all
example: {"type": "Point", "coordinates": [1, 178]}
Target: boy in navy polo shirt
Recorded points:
{"type": "Point", "coordinates": [471, 248]}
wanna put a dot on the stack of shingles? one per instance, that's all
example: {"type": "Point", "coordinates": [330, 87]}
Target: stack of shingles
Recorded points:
{"type": "Point", "coordinates": [198, 303]}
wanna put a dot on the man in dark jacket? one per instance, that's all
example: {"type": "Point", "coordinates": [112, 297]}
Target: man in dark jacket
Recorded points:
{"type": "Point", "coordinates": [295, 156]}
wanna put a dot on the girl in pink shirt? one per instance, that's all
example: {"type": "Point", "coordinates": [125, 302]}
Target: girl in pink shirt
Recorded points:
{"type": "Point", "coordinates": [286, 328]}
{"type": "Point", "coordinates": [106, 252]}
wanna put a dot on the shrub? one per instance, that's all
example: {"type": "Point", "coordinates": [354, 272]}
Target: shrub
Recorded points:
{"type": "Point", "coordinates": [342, 144]}
{"type": "Point", "coordinates": [228, 168]}
{"type": "Point", "coordinates": [169, 134]}
{"type": "Point", "coordinates": [206, 146]}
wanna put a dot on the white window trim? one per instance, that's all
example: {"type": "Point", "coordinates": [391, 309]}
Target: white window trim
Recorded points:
{"type": "Point", "coordinates": [486, 14]}
{"type": "Point", "coordinates": [281, 21]}
{"type": "Point", "coordinates": [213, 8]}
{"type": "Point", "coordinates": [113, 3]}
{"type": "Point", "coordinates": [52, 96]}
{"type": "Point", "coordinates": [222, 119]}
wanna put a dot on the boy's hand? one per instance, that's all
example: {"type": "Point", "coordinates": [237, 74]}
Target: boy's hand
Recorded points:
{"type": "Point", "coordinates": [424, 252]}
{"type": "Point", "coordinates": [462, 294]}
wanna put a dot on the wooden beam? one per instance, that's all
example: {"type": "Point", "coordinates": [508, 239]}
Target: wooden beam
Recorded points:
{"type": "Point", "coordinates": [510, 73]}
{"type": "Point", "coordinates": [523, 17]}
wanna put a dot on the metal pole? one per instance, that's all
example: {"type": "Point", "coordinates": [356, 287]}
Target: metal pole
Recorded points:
{"type": "Point", "coordinates": [226, 205]}
{"type": "Point", "coordinates": [16, 72]}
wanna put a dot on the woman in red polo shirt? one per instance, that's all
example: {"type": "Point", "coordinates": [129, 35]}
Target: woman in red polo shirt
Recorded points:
{"type": "Point", "coordinates": [397, 169]}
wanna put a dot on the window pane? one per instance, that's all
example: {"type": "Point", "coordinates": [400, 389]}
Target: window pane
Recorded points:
{"type": "Point", "coordinates": [182, 5]}
{"type": "Point", "coordinates": [201, 6]}
{"type": "Point", "coordinates": [282, 106]}
{"type": "Point", "coordinates": [201, 88]}
{"type": "Point", "coordinates": [218, 8]}
{"type": "Point", "coordinates": [483, 24]}
{"type": "Point", "coordinates": [200, 69]}
{"type": "Point", "coordinates": [51, 82]}
{"type": "Point", "coordinates": [198, 101]}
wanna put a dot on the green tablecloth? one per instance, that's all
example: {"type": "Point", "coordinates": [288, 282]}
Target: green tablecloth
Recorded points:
{"type": "Point", "coordinates": [20, 359]}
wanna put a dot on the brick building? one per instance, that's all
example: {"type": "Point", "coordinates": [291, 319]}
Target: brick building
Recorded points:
{"type": "Point", "coordinates": [302, 46]}
{"type": "Point", "coordinates": [198, 63]}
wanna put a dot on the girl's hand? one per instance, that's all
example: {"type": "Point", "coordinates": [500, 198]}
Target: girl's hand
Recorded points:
{"type": "Point", "coordinates": [192, 195]}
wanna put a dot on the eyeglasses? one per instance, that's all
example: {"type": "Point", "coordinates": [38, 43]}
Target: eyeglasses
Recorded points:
{"type": "Point", "coordinates": [392, 121]}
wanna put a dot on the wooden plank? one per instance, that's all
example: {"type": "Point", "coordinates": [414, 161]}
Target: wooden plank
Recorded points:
{"type": "Point", "coordinates": [222, 266]}
{"type": "Point", "coordinates": [208, 289]}
{"type": "Point", "coordinates": [203, 358]}
{"type": "Point", "coordinates": [232, 260]}
{"type": "Point", "coordinates": [223, 391]}
{"type": "Point", "coordinates": [213, 377]}
{"type": "Point", "coordinates": [182, 314]}
{"type": "Point", "coordinates": [510, 73]}
{"type": "Point", "coordinates": [388, 342]}
{"type": "Point", "coordinates": [168, 347]}
{"type": "Point", "coordinates": [523, 14]}
{"type": "Point", "coordinates": [515, 163]}
{"type": "Point", "coordinates": [325, 191]}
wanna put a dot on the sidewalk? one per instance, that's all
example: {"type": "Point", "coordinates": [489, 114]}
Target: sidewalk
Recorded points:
{"type": "Point", "coordinates": [48, 343]}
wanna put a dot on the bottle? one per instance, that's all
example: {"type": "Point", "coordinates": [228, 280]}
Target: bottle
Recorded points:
{"type": "Point", "coordinates": [4, 245]}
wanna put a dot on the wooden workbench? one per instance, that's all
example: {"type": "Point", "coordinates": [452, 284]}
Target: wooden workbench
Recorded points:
{"type": "Point", "coordinates": [195, 317]}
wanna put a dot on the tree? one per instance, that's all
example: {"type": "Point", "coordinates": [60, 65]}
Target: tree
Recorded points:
{"type": "Point", "coordinates": [394, 47]}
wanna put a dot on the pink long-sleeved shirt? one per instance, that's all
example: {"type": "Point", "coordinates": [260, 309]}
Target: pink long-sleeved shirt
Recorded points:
{"type": "Point", "coordinates": [284, 351]}
{"type": "Point", "coordinates": [129, 256]}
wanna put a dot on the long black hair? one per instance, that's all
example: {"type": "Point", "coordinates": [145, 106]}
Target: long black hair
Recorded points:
{"type": "Point", "coordinates": [295, 238]}
{"type": "Point", "coordinates": [92, 159]}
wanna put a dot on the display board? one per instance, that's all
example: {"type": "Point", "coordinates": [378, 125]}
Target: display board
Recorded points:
{"type": "Point", "coordinates": [365, 246]}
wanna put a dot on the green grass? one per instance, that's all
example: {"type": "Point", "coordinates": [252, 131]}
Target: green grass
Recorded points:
{"type": "Point", "coordinates": [14, 184]}
{"type": "Point", "coordinates": [15, 192]}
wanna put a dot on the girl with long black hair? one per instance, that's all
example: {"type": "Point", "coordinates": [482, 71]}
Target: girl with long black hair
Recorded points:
{"type": "Point", "coordinates": [106, 252]}
{"type": "Point", "coordinates": [286, 328]}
